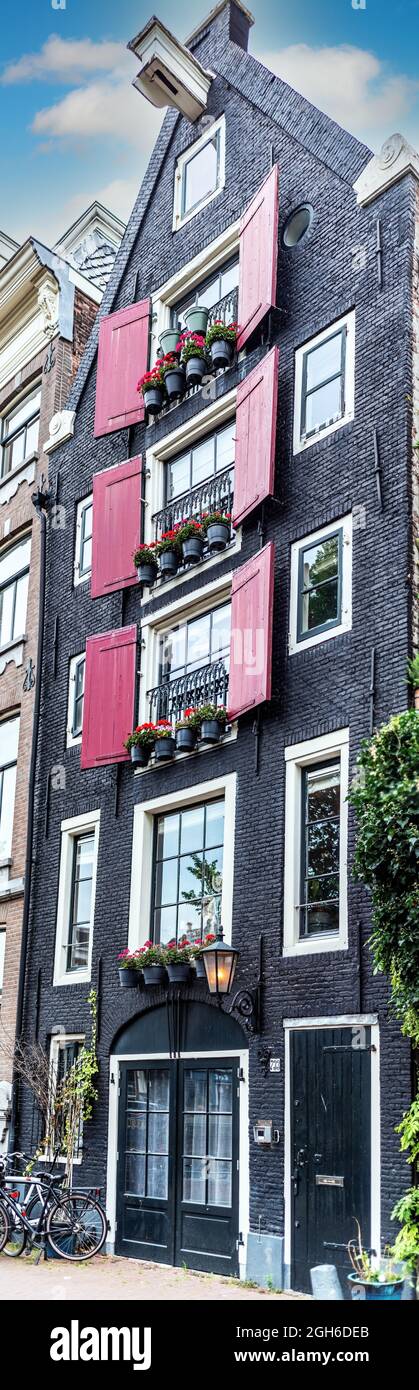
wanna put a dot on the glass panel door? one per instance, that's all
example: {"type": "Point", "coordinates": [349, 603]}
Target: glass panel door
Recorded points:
{"type": "Point", "coordinates": [146, 1161]}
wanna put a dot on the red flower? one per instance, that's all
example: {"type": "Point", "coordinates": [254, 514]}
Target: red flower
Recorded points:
{"type": "Point", "coordinates": [163, 723]}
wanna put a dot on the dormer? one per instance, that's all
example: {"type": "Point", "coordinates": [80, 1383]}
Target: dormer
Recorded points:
{"type": "Point", "coordinates": [170, 75]}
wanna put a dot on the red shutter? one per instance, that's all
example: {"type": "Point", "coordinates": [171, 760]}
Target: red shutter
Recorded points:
{"type": "Point", "coordinates": [109, 694]}
{"type": "Point", "coordinates": [122, 359]}
{"type": "Point", "coordinates": [254, 466]}
{"type": "Point", "coordinates": [252, 595]}
{"type": "Point", "coordinates": [258, 257]}
{"type": "Point", "coordinates": [116, 526]}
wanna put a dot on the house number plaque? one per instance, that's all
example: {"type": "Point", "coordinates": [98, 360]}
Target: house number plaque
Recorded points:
{"type": "Point", "coordinates": [275, 1064]}
{"type": "Point", "coordinates": [323, 1180]}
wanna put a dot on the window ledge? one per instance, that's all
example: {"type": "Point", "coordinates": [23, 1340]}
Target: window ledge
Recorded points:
{"type": "Point", "coordinates": [169, 586]}
{"type": "Point", "coordinates": [24, 473]}
{"type": "Point", "coordinates": [12, 651]}
{"type": "Point", "coordinates": [189, 757]}
{"type": "Point", "coordinates": [315, 947]}
{"type": "Point", "coordinates": [12, 888]}
{"type": "Point", "coordinates": [82, 977]}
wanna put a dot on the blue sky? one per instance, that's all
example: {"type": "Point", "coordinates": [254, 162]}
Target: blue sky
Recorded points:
{"type": "Point", "coordinates": [74, 129]}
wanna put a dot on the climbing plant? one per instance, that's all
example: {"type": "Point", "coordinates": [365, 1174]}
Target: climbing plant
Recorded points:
{"type": "Point", "coordinates": [73, 1097]}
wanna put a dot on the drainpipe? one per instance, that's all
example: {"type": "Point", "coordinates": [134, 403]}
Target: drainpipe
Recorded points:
{"type": "Point", "coordinates": [41, 501]}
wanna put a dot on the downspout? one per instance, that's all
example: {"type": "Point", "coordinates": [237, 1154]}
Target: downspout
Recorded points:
{"type": "Point", "coordinates": [41, 501]}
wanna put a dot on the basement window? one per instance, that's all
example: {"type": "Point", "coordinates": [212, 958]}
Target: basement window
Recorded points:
{"type": "Point", "coordinates": [200, 174]}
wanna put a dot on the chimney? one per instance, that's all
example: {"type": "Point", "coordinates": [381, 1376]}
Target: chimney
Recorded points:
{"type": "Point", "coordinates": [235, 20]}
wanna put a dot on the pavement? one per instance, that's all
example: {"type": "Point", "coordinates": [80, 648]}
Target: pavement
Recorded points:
{"type": "Point", "coordinates": [115, 1278]}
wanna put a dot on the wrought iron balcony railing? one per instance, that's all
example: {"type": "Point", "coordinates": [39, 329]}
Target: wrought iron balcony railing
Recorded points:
{"type": "Point", "coordinates": [208, 686]}
{"type": "Point", "coordinates": [215, 495]}
{"type": "Point", "coordinates": [226, 308]}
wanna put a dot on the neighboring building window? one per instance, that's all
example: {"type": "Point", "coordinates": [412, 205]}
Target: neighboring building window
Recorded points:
{"type": "Point", "coordinates": [324, 383]}
{"type": "Point", "coordinates": [76, 898]}
{"type": "Point", "coordinates": [14, 580]}
{"type": "Point", "coordinates": [316, 845]}
{"type": "Point", "coordinates": [194, 643]}
{"type": "Point", "coordinates": [9, 739]}
{"type": "Point", "coordinates": [19, 432]}
{"type": "Point", "coordinates": [76, 699]}
{"type": "Point", "coordinates": [83, 555]}
{"type": "Point", "coordinates": [188, 873]}
{"type": "Point", "coordinates": [321, 584]}
{"type": "Point", "coordinates": [218, 286]}
{"type": "Point", "coordinates": [200, 173]}
{"type": "Point", "coordinates": [202, 461]}
{"type": "Point", "coordinates": [2, 957]}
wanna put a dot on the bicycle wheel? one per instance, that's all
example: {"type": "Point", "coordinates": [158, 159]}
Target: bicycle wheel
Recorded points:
{"type": "Point", "coordinates": [76, 1227]}
{"type": "Point", "coordinates": [16, 1239]}
{"type": "Point", "coordinates": [4, 1226]}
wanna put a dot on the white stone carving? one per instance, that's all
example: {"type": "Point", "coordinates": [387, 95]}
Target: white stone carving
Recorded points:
{"type": "Point", "coordinates": [395, 159]}
{"type": "Point", "coordinates": [49, 303]}
{"type": "Point", "coordinates": [9, 485]}
{"type": "Point", "coordinates": [61, 427]}
{"type": "Point", "coordinates": [14, 653]}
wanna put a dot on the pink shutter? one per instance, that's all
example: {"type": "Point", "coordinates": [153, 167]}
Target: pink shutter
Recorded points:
{"type": "Point", "coordinates": [258, 257]}
{"type": "Point", "coordinates": [252, 595]}
{"type": "Point", "coordinates": [254, 467]}
{"type": "Point", "coordinates": [116, 526]}
{"type": "Point", "coordinates": [122, 359]}
{"type": "Point", "coordinates": [109, 695]}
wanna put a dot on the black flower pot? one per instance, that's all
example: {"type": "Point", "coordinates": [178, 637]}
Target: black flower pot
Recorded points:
{"type": "Point", "coordinates": [147, 573]}
{"type": "Point", "coordinates": [195, 370]}
{"type": "Point", "coordinates": [179, 973]}
{"type": "Point", "coordinates": [200, 968]}
{"type": "Point", "coordinates": [193, 550]}
{"type": "Point", "coordinates": [153, 400]}
{"type": "Point", "coordinates": [164, 748]}
{"type": "Point", "coordinates": [221, 353]}
{"type": "Point", "coordinates": [154, 974]}
{"type": "Point", "coordinates": [218, 536]}
{"type": "Point", "coordinates": [211, 731]}
{"type": "Point", "coordinates": [168, 561]}
{"type": "Point", "coordinates": [186, 739]}
{"type": "Point", "coordinates": [129, 979]}
{"type": "Point", "coordinates": [140, 754]}
{"type": "Point", "coordinates": [175, 382]}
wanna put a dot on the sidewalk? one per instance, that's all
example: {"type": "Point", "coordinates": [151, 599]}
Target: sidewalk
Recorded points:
{"type": "Point", "coordinates": [111, 1277]}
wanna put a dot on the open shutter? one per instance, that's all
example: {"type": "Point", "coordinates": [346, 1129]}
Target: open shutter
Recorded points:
{"type": "Point", "coordinates": [116, 526]}
{"type": "Point", "coordinates": [252, 593]}
{"type": "Point", "coordinates": [256, 412]}
{"type": "Point", "coordinates": [122, 359]}
{"type": "Point", "coordinates": [258, 257]}
{"type": "Point", "coordinates": [109, 696]}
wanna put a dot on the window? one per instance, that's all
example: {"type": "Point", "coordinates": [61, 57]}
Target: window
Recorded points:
{"type": "Point", "coordinates": [202, 461]}
{"type": "Point", "coordinates": [194, 643]}
{"type": "Point", "coordinates": [222, 284]}
{"type": "Point", "coordinates": [2, 957]}
{"type": "Point", "coordinates": [315, 882]}
{"type": "Point", "coordinates": [9, 739]}
{"type": "Point", "coordinates": [65, 1050]}
{"type": "Point", "coordinates": [200, 173]}
{"type": "Point", "coordinates": [76, 898]}
{"type": "Point", "coordinates": [188, 872]}
{"type": "Point", "coordinates": [324, 383]}
{"type": "Point", "coordinates": [321, 583]}
{"type": "Point", "coordinates": [14, 580]}
{"type": "Point", "coordinates": [83, 554]}
{"type": "Point", "coordinates": [296, 226]}
{"type": "Point", "coordinates": [19, 432]}
{"type": "Point", "coordinates": [75, 699]}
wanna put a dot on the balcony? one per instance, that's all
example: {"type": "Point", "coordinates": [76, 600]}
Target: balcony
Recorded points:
{"type": "Point", "coordinates": [216, 494]}
{"type": "Point", "coordinates": [225, 309]}
{"type": "Point", "coordinates": [209, 685]}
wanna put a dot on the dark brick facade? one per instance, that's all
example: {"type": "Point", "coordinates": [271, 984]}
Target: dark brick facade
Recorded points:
{"type": "Point", "coordinates": [319, 690]}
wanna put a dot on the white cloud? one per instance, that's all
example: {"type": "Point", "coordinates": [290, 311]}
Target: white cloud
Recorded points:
{"type": "Point", "coordinates": [350, 84]}
{"type": "Point", "coordinates": [107, 107]}
{"type": "Point", "coordinates": [119, 196]}
{"type": "Point", "coordinates": [68, 60]}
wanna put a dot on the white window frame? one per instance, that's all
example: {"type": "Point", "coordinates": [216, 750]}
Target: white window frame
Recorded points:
{"type": "Point", "coordinates": [343, 524]}
{"type": "Point", "coordinates": [142, 851]}
{"type": "Point", "coordinates": [10, 718]}
{"type": "Point", "coordinates": [73, 739]}
{"type": "Point", "coordinates": [70, 829]}
{"type": "Point", "coordinates": [81, 507]}
{"type": "Point", "coordinates": [298, 757]}
{"type": "Point", "coordinates": [186, 279]}
{"type": "Point", "coordinates": [58, 1042]}
{"type": "Point", "coordinates": [348, 322]}
{"type": "Point", "coordinates": [2, 957]}
{"type": "Point", "coordinates": [198, 601]}
{"type": "Point", "coordinates": [30, 389]}
{"type": "Point", "coordinates": [184, 159]}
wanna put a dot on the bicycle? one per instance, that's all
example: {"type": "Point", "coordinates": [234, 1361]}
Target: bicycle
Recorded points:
{"type": "Point", "coordinates": [73, 1222]}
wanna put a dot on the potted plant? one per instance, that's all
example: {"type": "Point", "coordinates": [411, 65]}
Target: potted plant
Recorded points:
{"type": "Point", "coordinates": [373, 1279]}
{"type": "Point", "coordinates": [213, 719]}
{"type": "Point", "coordinates": [129, 968]}
{"type": "Point", "coordinates": [168, 341]}
{"type": "Point", "coordinates": [187, 731]}
{"type": "Point", "coordinates": [174, 376]}
{"type": "Point", "coordinates": [191, 538]}
{"type": "Point", "coordinates": [221, 340]}
{"type": "Point", "coordinates": [196, 953]}
{"type": "Point", "coordinates": [413, 677]}
{"type": "Point", "coordinates": [165, 743]}
{"type": "Point", "coordinates": [151, 388]}
{"type": "Point", "coordinates": [196, 318]}
{"type": "Point", "coordinates": [145, 559]}
{"type": "Point", "coordinates": [168, 551]}
{"type": "Point", "coordinates": [140, 743]}
{"type": "Point", "coordinates": [178, 961]}
{"type": "Point", "coordinates": [153, 966]}
{"type": "Point", "coordinates": [193, 356]}
{"type": "Point", "coordinates": [216, 528]}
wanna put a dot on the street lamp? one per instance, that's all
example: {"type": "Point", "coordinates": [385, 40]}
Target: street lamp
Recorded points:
{"type": "Point", "coordinates": [220, 964]}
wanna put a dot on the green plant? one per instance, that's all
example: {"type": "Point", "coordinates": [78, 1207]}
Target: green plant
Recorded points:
{"type": "Point", "coordinates": [146, 554]}
{"type": "Point", "coordinates": [191, 345]}
{"type": "Point", "coordinates": [413, 671]}
{"type": "Point", "coordinates": [144, 735]}
{"type": "Point", "coordinates": [215, 519]}
{"type": "Point", "coordinates": [169, 541]}
{"type": "Point", "coordinates": [129, 960]}
{"type": "Point", "coordinates": [151, 379]}
{"type": "Point", "coordinates": [75, 1095]}
{"type": "Point", "coordinates": [199, 947]}
{"type": "Point", "coordinates": [406, 1245]}
{"type": "Point", "coordinates": [178, 952]}
{"type": "Point", "coordinates": [188, 528]}
{"type": "Point", "coordinates": [151, 953]}
{"type": "Point", "coordinates": [226, 331]}
{"type": "Point", "coordinates": [382, 1271]}
{"type": "Point", "coordinates": [190, 719]}
{"type": "Point", "coordinates": [169, 363]}
{"type": "Point", "coordinates": [218, 712]}
{"type": "Point", "coordinates": [163, 729]}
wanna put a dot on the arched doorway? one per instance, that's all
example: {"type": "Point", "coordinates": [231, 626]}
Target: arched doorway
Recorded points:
{"type": "Point", "coordinates": [180, 1071]}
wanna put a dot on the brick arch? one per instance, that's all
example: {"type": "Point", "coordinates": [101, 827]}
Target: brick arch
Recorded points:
{"type": "Point", "coordinates": [179, 1021]}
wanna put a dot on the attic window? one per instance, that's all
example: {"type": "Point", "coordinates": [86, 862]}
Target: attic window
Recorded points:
{"type": "Point", "coordinates": [297, 226]}
{"type": "Point", "coordinates": [200, 173]}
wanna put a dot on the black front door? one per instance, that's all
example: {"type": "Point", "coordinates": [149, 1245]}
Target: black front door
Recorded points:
{"type": "Point", "coordinates": [177, 1178]}
{"type": "Point", "coordinates": [330, 1147]}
